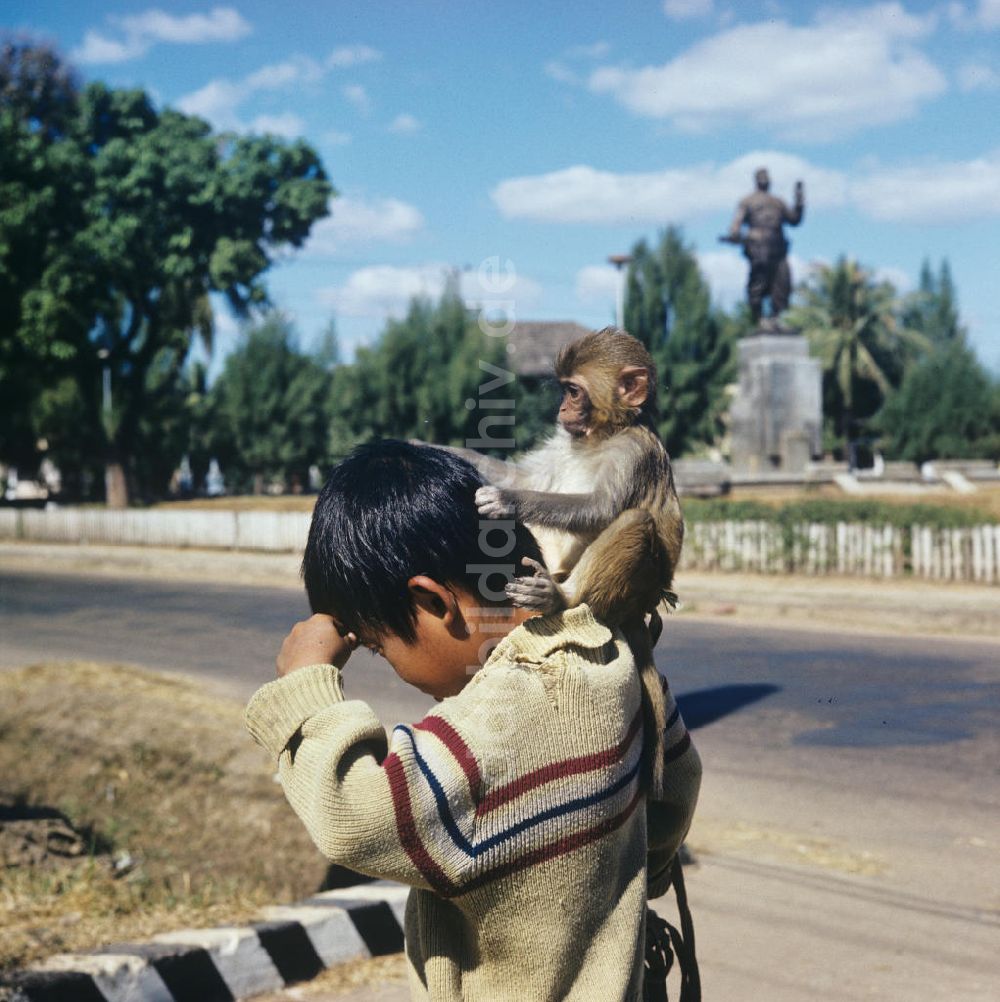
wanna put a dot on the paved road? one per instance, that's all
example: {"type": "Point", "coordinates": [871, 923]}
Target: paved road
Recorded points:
{"type": "Point", "coordinates": [850, 806]}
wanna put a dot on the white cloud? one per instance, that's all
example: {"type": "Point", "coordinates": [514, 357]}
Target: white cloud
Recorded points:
{"type": "Point", "coordinates": [596, 285]}
{"type": "Point", "coordinates": [978, 76]}
{"type": "Point", "coordinates": [405, 125]}
{"type": "Point", "coordinates": [901, 280]}
{"type": "Point", "coordinates": [336, 138]}
{"type": "Point", "coordinates": [584, 194]}
{"type": "Point", "coordinates": [843, 73]}
{"type": "Point", "coordinates": [382, 291]}
{"type": "Point", "coordinates": [275, 76]}
{"type": "Point", "coordinates": [358, 96]}
{"type": "Point", "coordinates": [986, 14]}
{"type": "Point", "coordinates": [288, 125]}
{"type": "Point", "coordinates": [355, 220]}
{"type": "Point", "coordinates": [960, 191]}
{"type": "Point", "coordinates": [560, 72]}
{"type": "Point", "coordinates": [681, 10]}
{"type": "Point", "coordinates": [219, 101]}
{"type": "Point", "coordinates": [726, 274]}
{"type": "Point", "coordinates": [141, 31]}
{"type": "Point", "coordinates": [558, 69]}
{"type": "Point", "coordinates": [592, 51]}
{"type": "Point", "coordinates": [352, 55]}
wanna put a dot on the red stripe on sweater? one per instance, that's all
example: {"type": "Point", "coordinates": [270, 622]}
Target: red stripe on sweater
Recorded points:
{"type": "Point", "coordinates": [568, 843]}
{"type": "Point", "coordinates": [452, 740]}
{"type": "Point", "coordinates": [558, 770]}
{"type": "Point", "coordinates": [409, 837]}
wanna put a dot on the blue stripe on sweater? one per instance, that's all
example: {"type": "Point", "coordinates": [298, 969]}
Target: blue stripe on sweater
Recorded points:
{"type": "Point", "coordinates": [448, 820]}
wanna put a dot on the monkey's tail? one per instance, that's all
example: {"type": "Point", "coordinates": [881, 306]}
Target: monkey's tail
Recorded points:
{"type": "Point", "coordinates": [642, 639]}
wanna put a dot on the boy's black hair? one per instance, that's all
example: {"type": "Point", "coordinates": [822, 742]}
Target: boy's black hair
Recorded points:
{"type": "Point", "coordinates": [392, 510]}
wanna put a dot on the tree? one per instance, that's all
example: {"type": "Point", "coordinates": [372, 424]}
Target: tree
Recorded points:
{"type": "Point", "coordinates": [851, 322]}
{"type": "Point", "coordinates": [418, 379]}
{"type": "Point", "coordinates": [668, 307]}
{"type": "Point", "coordinates": [933, 308]}
{"type": "Point", "coordinates": [163, 212]}
{"type": "Point", "coordinates": [947, 407]}
{"type": "Point", "coordinates": [40, 200]}
{"type": "Point", "coordinates": [266, 418]}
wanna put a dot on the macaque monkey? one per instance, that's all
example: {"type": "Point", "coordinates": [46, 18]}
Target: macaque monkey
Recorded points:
{"type": "Point", "coordinates": [599, 497]}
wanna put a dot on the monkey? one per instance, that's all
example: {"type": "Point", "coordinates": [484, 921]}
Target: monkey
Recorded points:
{"type": "Point", "coordinates": [599, 497]}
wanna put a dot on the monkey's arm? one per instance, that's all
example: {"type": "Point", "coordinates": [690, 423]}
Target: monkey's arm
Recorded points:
{"type": "Point", "coordinates": [569, 512]}
{"type": "Point", "coordinates": [496, 471]}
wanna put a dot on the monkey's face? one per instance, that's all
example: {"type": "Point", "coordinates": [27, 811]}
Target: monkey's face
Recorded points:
{"type": "Point", "coordinates": [575, 409]}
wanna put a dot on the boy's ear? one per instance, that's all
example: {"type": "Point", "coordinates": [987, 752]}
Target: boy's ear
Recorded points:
{"type": "Point", "coordinates": [434, 598]}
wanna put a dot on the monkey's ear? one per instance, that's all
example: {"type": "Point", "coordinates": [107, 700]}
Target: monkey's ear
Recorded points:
{"type": "Point", "coordinates": [633, 385]}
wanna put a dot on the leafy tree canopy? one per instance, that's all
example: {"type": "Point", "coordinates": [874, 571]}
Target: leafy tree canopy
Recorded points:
{"type": "Point", "coordinates": [265, 417]}
{"type": "Point", "coordinates": [852, 323]}
{"type": "Point", "coordinates": [947, 407]}
{"type": "Point", "coordinates": [118, 223]}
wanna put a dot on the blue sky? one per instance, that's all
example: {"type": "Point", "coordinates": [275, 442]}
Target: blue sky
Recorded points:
{"type": "Point", "coordinates": [551, 135]}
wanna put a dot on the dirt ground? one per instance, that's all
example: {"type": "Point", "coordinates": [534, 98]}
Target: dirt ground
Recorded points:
{"type": "Point", "coordinates": [162, 779]}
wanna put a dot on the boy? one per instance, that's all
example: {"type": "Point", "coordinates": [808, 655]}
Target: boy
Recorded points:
{"type": "Point", "coordinates": [516, 808]}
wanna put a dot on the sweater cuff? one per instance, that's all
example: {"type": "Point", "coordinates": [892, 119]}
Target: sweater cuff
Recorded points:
{"type": "Point", "coordinates": [278, 709]}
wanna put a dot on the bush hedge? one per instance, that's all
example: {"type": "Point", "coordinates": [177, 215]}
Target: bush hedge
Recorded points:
{"type": "Point", "coordinates": [828, 512]}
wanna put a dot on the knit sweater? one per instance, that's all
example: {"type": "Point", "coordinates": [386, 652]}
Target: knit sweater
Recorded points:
{"type": "Point", "coordinates": [515, 810]}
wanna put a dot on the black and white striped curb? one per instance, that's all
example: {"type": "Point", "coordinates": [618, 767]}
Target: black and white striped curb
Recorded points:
{"type": "Point", "coordinates": [294, 943]}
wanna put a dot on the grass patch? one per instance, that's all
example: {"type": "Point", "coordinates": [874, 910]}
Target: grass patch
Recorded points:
{"type": "Point", "coordinates": [244, 502]}
{"type": "Point", "coordinates": [156, 768]}
{"type": "Point", "coordinates": [791, 510]}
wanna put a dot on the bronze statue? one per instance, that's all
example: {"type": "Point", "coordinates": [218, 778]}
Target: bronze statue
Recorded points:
{"type": "Point", "coordinates": [764, 244]}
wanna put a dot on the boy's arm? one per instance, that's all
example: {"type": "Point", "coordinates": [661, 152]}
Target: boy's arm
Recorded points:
{"type": "Point", "coordinates": [365, 805]}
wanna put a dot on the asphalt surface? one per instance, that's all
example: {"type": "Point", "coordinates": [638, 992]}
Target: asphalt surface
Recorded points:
{"type": "Point", "coordinates": [849, 817]}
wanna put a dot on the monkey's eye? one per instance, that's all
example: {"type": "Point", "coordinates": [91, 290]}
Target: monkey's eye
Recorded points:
{"type": "Point", "coordinates": [572, 390]}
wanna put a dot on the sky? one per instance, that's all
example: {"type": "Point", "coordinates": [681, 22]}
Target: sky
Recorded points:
{"type": "Point", "coordinates": [517, 145]}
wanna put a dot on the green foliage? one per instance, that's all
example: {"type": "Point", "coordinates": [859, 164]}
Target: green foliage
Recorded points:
{"type": "Point", "coordinates": [668, 307]}
{"type": "Point", "coordinates": [947, 407]}
{"type": "Point", "coordinates": [117, 221]}
{"type": "Point", "coordinates": [416, 381]}
{"type": "Point", "coordinates": [265, 416]}
{"type": "Point", "coordinates": [852, 325]}
{"type": "Point", "coordinates": [829, 512]}
{"type": "Point", "coordinates": [933, 308]}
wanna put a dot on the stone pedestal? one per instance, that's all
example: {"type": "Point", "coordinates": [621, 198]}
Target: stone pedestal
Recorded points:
{"type": "Point", "coordinates": [777, 415]}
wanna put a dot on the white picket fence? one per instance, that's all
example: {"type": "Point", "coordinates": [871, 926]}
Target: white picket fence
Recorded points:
{"type": "Point", "coordinates": [229, 530]}
{"type": "Point", "coordinates": [968, 554]}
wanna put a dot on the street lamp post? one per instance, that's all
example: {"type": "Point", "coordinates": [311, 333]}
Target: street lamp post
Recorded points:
{"type": "Point", "coordinates": [103, 355]}
{"type": "Point", "coordinates": [619, 261]}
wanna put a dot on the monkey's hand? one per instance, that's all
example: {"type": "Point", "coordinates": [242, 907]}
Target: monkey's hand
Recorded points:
{"type": "Point", "coordinates": [493, 502]}
{"type": "Point", "coordinates": [538, 592]}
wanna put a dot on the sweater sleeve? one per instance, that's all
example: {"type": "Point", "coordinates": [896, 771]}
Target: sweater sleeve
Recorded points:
{"type": "Point", "coordinates": [362, 799]}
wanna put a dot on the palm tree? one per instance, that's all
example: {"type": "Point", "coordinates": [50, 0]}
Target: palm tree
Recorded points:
{"type": "Point", "coordinates": [851, 322]}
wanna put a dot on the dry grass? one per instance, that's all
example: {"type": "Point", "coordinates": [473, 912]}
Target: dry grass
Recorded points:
{"type": "Point", "coordinates": [153, 766]}
{"type": "Point", "coordinates": [244, 502]}
{"type": "Point", "coordinates": [986, 499]}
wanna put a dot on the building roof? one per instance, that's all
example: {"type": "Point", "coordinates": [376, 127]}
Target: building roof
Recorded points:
{"type": "Point", "coordinates": [537, 342]}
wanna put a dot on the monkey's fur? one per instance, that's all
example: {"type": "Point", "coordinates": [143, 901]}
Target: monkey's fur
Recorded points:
{"type": "Point", "coordinates": [599, 496]}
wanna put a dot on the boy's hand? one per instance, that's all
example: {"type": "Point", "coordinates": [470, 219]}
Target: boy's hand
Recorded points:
{"type": "Point", "coordinates": [315, 641]}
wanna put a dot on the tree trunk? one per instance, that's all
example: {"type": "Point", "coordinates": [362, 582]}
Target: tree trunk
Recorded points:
{"type": "Point", "coordinates": [115, 485]}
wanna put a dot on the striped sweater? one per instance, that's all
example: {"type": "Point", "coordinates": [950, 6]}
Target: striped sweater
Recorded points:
{"type": "Point", "coordinates": [515, 810]}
